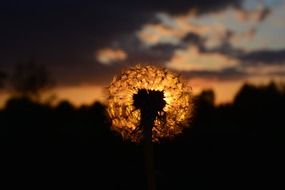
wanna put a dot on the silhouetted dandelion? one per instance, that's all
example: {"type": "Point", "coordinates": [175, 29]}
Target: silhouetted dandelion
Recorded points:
{"type": "Point", "coordinates": [146, 104]}
{"type": "Point", "coordinates": [150, 93]}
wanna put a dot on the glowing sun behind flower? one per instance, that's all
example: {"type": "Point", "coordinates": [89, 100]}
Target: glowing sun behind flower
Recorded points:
{"type": "Point", "coordinates": [175, 108]}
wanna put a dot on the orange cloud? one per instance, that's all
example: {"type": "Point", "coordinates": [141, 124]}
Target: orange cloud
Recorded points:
{"type": "Point", "coordinates": [191, 59]}
{"type": "Point", "coordinates": [107, 55]}
{"type": "Point", "coordinates": [152, 34]}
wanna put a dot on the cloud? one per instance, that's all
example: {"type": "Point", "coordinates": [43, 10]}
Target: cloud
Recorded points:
{"type": "Point", "coordinates": [200, 6]}
{"type": "Point", "coordinates": [212, 49]}
{"type": "Point", "coordinates": [214, 28]}
{"type": "Point", "coordinates": [108, 56]}
{"type": "Point", "coordinates": [65, 34]}
{"type": "Point", "coordinates": [264, 57]}
{"type": "Point", "coordinates": [192, 59]}
{"type": "Point", "coordinates": [238, 38]}
{"type": "Point", "coordinates": [265, 70]}
{"type": "Point", "coordinates": [258, 14]}
{"type": "Point", "coordinates": [261, 33]}
{"type": "Point", "coordinates": [153, 34]}
{"type": "Point", "coordinates": [173, 29]}
{"type": "Point", "coordinates": [193, 39]}
{"type": "Point", "coordinates": [264, 63]}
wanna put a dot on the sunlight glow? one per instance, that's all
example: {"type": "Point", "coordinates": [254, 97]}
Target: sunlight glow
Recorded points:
{"type": "Point", "coordinates": [125, 118]}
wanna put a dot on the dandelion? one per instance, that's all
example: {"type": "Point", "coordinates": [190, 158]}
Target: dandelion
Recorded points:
{"type": "Point", "coordinates": [149, 98]}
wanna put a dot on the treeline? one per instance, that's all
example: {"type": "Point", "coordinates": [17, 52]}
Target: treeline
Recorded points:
{"type": "Point", "coordinates": [256, 111]}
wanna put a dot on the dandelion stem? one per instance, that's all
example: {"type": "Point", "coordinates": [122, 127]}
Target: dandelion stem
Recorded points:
{"type": "Point", "coordinates": [149, 159]}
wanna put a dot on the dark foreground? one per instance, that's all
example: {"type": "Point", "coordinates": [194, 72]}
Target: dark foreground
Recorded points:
{"type": "Point", "coordinates": [236, 145]}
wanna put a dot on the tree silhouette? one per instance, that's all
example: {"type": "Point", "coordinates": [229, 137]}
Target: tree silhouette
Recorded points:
{"type": "Point", "coordinates": [207, 96]}
{"type": "Point", "coordinates": [30, 80]}
{"type": "Point", "coordinates": [251, 96]}
{"type": "Point", "coordinates": [2, 77]}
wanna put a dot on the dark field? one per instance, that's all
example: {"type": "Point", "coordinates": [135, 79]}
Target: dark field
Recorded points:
{"type": "Point", "coordinates": [234, 145]}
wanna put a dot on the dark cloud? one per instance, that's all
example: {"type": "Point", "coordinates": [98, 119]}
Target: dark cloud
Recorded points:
{"type": "Point", "coordinates": [156, 55]}
{"type": "Point", "coordinates": [227, 49]}
{"type": "Point", "coordinates": [278, 73]}
{"type": "Point", "coordinates": [182, 6]}
{"type": "Point", "coordinates": [68, 31]}
{"type": "Point", "coordinates": [193, 39]}
{"type": "Point", "coordinates": [264, 57]}
{"type": "Point", "coordinates": [224, 74]}
{"type": "Point", "coordinates": [95, 74]}
{"type": "Point", "coordinates": [99, 21]}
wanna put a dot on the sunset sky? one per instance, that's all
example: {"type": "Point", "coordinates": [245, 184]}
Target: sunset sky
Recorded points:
{"type": "Point", "coordinates": [214, 44]}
